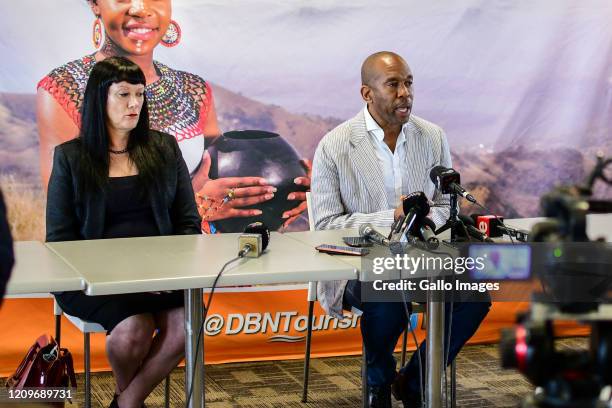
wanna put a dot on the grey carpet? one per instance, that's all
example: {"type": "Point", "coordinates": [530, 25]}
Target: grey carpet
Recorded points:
{"type": "Point", "coordinates": [334, 382]}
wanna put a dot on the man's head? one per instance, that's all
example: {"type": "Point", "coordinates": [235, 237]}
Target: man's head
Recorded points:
{"type": "Point", "coordinates": [386, 86]}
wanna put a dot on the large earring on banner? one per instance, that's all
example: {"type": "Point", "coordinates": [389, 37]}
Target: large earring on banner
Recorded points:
{"type": "Point", "coordinates": [173, 35]}
{"type": "Point", "coordinates": [97, 33]}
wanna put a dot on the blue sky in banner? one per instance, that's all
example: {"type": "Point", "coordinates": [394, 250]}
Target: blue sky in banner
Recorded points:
{"type": "Point", "coordinates": [497, 72]}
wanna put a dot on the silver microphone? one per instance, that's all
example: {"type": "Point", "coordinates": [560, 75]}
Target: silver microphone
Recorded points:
{"type": "Point", "coordinates": [368, 231]}
{"type": "Point", "coordinates": [254, 240]}
{"type": "Point", "coordinates": [250, 245]}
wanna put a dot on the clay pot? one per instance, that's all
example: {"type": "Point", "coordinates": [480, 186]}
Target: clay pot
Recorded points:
{"type": "Point", "coordinates": [257, 153]}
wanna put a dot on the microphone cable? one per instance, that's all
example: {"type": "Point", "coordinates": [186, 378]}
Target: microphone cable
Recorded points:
{"type": "Point", "coordinates": [416, 350]}
{"type": "Point", "coordinates": [256, 228]}
{"type": "Point", "coordinates": [451, 303]}
{"type": "Point", "coordinates": [205, 314]}
{"type": "Point", "coordinates": [448, 340]}
{"type": "Point", "coordinates": [446, 346]}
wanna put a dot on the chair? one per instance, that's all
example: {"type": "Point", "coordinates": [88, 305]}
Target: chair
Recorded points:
{"type": "Point", "coordinates": [87, 328]}
{"type": "Point", "coordinates": [312, 298]}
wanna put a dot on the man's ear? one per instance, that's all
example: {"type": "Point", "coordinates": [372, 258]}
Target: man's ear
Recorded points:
{"type": "Point", "coordinates": [366, 93]}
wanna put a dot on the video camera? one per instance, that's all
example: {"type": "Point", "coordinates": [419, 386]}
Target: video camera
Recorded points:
{"type": "Point", "coordinates": [576, 277]}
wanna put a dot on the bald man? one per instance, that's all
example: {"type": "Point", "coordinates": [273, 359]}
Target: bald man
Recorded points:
{"type": "Point", "coordinates": [360, 170]}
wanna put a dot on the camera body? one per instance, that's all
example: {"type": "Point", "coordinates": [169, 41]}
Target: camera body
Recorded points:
{"type": "Point", "coordinates": [577, 277]}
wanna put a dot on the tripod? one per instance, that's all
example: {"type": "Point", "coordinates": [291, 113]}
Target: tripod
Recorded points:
{"type": "Point", "coordinates": [456, 226]}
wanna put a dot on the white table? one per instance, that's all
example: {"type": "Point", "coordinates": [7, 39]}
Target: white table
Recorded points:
{"type": "Point", "coordinates": [187, 262]}
{"type": "Point", "coordinates": [598, 225]}
{"type": "Point", "coordinates": [192, 261]}
{"type": "Point", "coordinates": [334, 237]}
{"type": "Point", "coordinates": [39, 270]}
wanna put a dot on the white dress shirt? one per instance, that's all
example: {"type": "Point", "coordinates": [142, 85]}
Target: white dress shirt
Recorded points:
{"type": "Point", "coordinates": [390, 162]}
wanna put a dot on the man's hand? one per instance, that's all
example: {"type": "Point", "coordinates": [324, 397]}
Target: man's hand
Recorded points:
{"type": "Point", "coordinates": [399, 211]}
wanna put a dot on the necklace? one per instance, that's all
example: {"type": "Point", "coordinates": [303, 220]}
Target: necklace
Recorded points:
{"type": "Point", "coordinates": [118, 151]}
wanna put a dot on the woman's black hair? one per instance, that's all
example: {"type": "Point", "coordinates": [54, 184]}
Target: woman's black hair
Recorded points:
{"type": "Point", "coordinates": [144, 151]}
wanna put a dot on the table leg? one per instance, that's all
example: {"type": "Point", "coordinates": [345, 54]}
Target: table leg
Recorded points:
{"type": "Point", "coordinates": [193, 363]}
{"type": "Point", "coordinates": [435, 352]}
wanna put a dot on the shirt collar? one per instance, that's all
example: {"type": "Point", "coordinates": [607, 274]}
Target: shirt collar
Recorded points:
{"type": "Point", "coordinates": [375, 130]}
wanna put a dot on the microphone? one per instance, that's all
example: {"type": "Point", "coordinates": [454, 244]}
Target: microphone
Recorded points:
{"type": "Point", "coordinates": [254, 240]}
{"type": "Point", "coordinates": [415, 206]}
{"type": "Point", "coordinates": [519, 234]}
{"type": "Point", "coordinates": [423, 235]}
{"type": "Point", "coordinates": [494, 226]}
{"type": "Point", "coordinates": [599, 206]}
{"type": "Point", "coordinates": [367, 231]}
{"type": "Point", "coordinates": [472, 230]}
{"type": "Point", "coordinates": [448, 181]}
{"type": "Point", "coordinates": [488, 224]}
{"type": "Point", "coordinates": [425, 239]}
{"type": "Point", "coordinates": [427, 234]}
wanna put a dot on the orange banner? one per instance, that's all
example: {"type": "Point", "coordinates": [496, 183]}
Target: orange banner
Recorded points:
{"type": "Point", "coordinates": [245, 324]}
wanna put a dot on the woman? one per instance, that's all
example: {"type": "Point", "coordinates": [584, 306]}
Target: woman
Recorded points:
{"type": "Point", "coordinates": [120, 179]}
{"type": "Point", "coordinates": [180, 104]}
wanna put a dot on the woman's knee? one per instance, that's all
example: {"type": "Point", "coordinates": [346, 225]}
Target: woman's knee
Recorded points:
{"type": "Point", "coordinates": [175, 343]}
{"type": "Point", "coordinates": [132, 336]}
{"type": "Point", "coordinates": [175, 328]}
{"type": "Point", "coordinates": [172, 331]}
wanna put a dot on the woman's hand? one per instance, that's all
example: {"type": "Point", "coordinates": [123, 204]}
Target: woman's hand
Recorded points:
{"type": "Point", "coordinates": [294, 213]}
{"type": "Point", "coordinates": [223, 198]}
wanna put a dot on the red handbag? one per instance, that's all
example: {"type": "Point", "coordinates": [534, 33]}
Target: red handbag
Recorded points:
{"type": "Point", "coordinates": [45, 365]}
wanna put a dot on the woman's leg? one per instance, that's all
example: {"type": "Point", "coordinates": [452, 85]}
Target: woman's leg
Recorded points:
{"type": "Point", "coordinates": [128, 345]}
{"type": "Point", "coordinates": [167, 350]}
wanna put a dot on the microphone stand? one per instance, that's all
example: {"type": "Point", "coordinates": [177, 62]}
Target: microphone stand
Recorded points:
{"type": "Point", "coordinates": [453, 223]}
{"type": "Point", "coordinates": [435, 350]}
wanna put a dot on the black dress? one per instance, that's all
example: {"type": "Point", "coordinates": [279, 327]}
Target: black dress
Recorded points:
{"type": "Point", "coordinates": [128, 214]}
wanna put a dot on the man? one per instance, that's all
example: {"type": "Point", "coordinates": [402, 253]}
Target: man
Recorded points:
{"type": "Point", "coordinates": [360, 170]}
{"type": "Point", "coordinates": [6, 249]}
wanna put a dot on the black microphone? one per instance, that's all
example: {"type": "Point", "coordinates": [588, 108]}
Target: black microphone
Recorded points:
{"type": "Point", "coordinates": [368, 231]}
{"type": "Point", "coordinates": [427, 234]}
{"type": "Point", "coordinates": [422, 234]}
{"type": "Point", "coordinates": [415, 206]}
{"type": "Point", "coordinates": [254, 240]}
{"type": "Point", "coordinates": [599, 206]}
{"type": "Point", "coordinates": [519, 234]}
{"type": "Point", "coordinates": [448, 181]}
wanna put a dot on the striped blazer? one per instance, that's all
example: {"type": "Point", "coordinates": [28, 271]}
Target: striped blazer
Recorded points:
{"type": "Point", "coordinates": [348, 189]}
